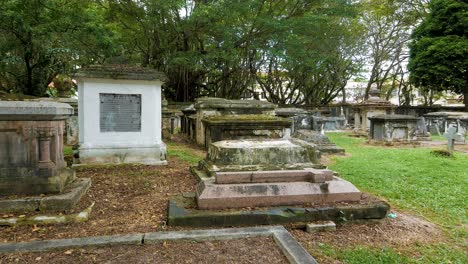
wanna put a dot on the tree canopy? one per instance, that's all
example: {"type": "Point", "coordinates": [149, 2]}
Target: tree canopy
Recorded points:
{"type": "Point", "coordinates": [439, 48]}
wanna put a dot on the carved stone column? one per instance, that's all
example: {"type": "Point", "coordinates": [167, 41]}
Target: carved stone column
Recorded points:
{"type": "Point", "coordinates": [44, 137]}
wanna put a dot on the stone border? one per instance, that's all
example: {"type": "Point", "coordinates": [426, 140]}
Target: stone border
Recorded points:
{"type": "Point", "coordinates": [293, 251]}
{"type": "Point", "coordinates": [54, 202]}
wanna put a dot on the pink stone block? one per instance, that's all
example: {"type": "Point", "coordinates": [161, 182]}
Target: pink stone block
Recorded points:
{"type": "Point", "coordinates": [224, 196]}
{"type": "Point", "coordinates": [307, 175]}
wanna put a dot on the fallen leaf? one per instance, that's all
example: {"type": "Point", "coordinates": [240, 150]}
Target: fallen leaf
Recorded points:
{"type": "Point", "coordinates": [38, 258]}
{"type": "Point", "coordinates": [68, 252]}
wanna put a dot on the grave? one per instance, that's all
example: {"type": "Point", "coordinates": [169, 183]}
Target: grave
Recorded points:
{"type": "Point", "coordinates": [392, 128]}
{"type": "Point", "coordinates": [421, 130]}
{"type": "Point", "coordinates": [301, 119]}
{"type": "Point", "coordinates": [120, 115]}
{"type": "Point", "coordinates": [188, 122]}
{"type": "Point", "coordinates": [371, 107]}
{"type": "Point", "coordinates": [439, 122]}
{"type": "Point", "coordinates": [452, 135]}
{"type": "Point", "coordinates": [31, 157]}
{"type": "Point", "coordinates": [171, 120]}
{"type": "Point", "coordinates": [324, 144]}
{"type": "Point", "coordinates": [281, 175]}
{"type": "Point", "coordinates": [220, 119]}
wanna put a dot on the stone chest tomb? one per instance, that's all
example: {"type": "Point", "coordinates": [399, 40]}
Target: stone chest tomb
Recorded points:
{"type": "Point", "coordinates": [393, 128]}
{"type": "Point", "coordinates": [31, 148]}
{"type": "Point", "coordinates": [221, 119]}
{"type": "Point", "coordinates": [120, 115]}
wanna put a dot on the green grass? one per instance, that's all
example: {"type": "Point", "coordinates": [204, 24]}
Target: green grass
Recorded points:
{"type": "Point", "coordinates": [437, 253]}
{"type": "Point", "coordinates": [67, 151]}
{"type": "Point", "coordinates": [410, 179]}
{"type": "Point", "coordinates": [184, 153]}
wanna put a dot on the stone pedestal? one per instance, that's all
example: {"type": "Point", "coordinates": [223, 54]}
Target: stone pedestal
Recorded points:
{"type": "Point", "coordinates": [120, 115]}
{"type": "Point", "coordinates": [393, 128]}
{"type": "Point", "coordinates": [268, 172]}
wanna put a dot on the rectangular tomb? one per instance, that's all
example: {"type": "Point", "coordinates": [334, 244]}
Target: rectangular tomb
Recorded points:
{"type": "Point", "coordinates": [120, 115]}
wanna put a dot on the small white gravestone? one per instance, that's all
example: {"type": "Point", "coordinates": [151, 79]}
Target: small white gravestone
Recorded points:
{"type": "Point", "coordinates": [451, 135]}
{"type": "Point", "coordinates": [120, 115]}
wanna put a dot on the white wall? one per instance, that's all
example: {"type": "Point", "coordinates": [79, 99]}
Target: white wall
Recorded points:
{"type": "Point", "coordinates": [89, 113]}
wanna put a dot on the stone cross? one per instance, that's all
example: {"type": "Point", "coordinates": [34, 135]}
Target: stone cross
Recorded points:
{"type": "Point", "coordinates": [451, 135]}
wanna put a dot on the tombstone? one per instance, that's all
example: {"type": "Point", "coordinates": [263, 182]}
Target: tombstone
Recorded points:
{"type": "Point", "coordinates": [324, 145]}
{"type": "Point", "coordinates": [267, 172]}
{"type": "Point", "coordinates": [452, 136]}
{"type": "Point", "coordinates": [301, 119]}
{"type": "Point", "coordinates": [188, 122]}
{"type": "Point", "coordinates": [220, 119]}
{"type": "Point", "coordinates": [392, 128]}
{"type": "Point", "coordinates": [374, 106]}
{"type": "Point", "coordinates": [120, 115]}
{"type": "Point", "coordinates": [31, 154]}
{"type": "Point", "coordinates": [421, 130]}
{"type": "Point", "coordinates": [438, 122]}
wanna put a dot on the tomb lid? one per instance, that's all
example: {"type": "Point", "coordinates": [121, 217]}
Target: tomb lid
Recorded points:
{"type": "Point", "coordinates": [290, 111]}
{"type": "Point", "coordinates": [393, 117]}
{"type": "Point", "coordinates": [28, 110]}
{"type": "Point", "coordinates": [221, 103]}
{"type": "Point", "coordinates": [445, 114]}
{"type": "Point", "coordinates": [245, 119]}
{"type": "Point", "coordinates": [120, 72]}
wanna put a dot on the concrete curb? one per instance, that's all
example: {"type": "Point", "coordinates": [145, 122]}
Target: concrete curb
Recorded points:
{"type": "Point", "coordinates": [294, 252]}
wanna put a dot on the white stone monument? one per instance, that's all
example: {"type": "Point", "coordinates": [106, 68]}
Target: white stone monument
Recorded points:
{"type": "Point", "coordinates": [120, 115]}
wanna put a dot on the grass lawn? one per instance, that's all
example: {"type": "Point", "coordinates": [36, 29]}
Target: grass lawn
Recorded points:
{"type": "Point", "coordinates": [414, 180]}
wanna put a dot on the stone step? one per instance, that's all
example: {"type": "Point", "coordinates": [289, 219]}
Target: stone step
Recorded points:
{"type": "Point", "coordinates": [307, 175]}
{"type": "Point", "coordinates": [224, 196]}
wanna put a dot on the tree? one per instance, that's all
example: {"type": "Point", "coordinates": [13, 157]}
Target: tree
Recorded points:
{"type": "Point", "coordinates": [389, 24]}
{"type": "Point", "coordinates": [42, 38]}
{"type": "Point", "coordinates": [439, 49]}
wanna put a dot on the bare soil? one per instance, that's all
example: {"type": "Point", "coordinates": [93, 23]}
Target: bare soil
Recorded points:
{"type": "Point", "coordinates": [249, 250]}
{"type": "Point", "coordinates": [129, 199]}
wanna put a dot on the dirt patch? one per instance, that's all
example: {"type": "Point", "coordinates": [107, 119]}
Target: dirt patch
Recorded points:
{"type": "Point", "coordinates": [400, 232]}
{"type": "Point", "coordinates": [129, 199]}
{"type": "Point", "coordinates": [249, 250]}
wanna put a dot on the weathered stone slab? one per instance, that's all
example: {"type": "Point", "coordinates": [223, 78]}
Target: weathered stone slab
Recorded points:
{"type": "Point", "coordinates": [324, 145]}
{"type": "Point", "coordinates": [58, 202]}
{"type": "Point", "coordinates": [183, 212]}
{"type": "Point", "coordinates": [308, 174]}
{"type": "Point", "coordinates": [221, 196]}
{"type": "Point", "coordinates": [320, 226]}
{"type": "Point", "coordinates": [264, 151]}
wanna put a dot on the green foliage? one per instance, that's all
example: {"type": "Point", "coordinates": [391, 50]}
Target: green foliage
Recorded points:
{"type": "Point", "coordinates": [439, 48]}
{"type": "Point", "coordinates": [297, 51]}
{"type": "Point", "coordinates": [442, 153]}
{"type": "Point", "coordinates": [42, 38]}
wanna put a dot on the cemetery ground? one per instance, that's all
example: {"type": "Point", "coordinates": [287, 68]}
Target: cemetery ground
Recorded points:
{"type": "Point", "coordinates": [427, 193]}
